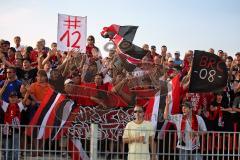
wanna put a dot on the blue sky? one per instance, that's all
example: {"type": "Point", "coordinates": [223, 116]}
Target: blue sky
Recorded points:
{"type": "Point", "coordinates": [178, 24]}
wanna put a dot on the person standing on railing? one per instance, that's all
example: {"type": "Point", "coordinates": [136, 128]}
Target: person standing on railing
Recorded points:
{"type": "Point", "coordinates": [188, 125]}
{"type": "Point", "coordinates": [139, 134]}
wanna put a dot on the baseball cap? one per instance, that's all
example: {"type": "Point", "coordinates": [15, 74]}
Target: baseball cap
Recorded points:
{"type": "Point", "coordinates": [153, 47]}
{"type": "Point", "coordinates": [177, 52]}
{"type": "Point", "coordinates": [67, 81]}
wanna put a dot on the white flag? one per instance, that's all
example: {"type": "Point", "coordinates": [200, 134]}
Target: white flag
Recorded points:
{"type": "Point", "coordinates": [72, 32]}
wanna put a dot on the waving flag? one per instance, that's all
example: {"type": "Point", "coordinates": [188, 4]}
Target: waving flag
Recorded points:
{"type": "Point", "coordinates": [174, 107]}
{"type": "Point", "coordinates": [152, 108]}
{"type": "Point", "coordinates": [128, 32]}
{"type": "Point", "coordinates": [122, 37]}
{"type": "Point", "coordinates": [209, 73]}
{"type": "Point", "coordinates": [53, 111]}
{"type": "Point", "coordinates": [174, 93]}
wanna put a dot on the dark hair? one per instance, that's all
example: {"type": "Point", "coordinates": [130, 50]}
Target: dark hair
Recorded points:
{"type": "Point", "coordinates": [221, 51]}
{"type": "Point", "coordinates": [26, 59]}
{"type": "Point", "coordinates": [54, 43]}
{"type": "Point", "coordinates": [29, 49]}
{"type": "Point", "coordinates": [164, 46]}
{"type": "Point", "coordinates": [230, 58]}
{"type": "Point", "coordinates": [99, 74]}
{"type": "Point", "coordinates": [12, 49]}
{"type": "Point", "coordinates": [220, 92]}
{"type": "Point", "coordinates": [153, 47]}
{"type": "Point", "coordinates": [6, 42]}
{"type": "Point", "coordinates": [93, 39]}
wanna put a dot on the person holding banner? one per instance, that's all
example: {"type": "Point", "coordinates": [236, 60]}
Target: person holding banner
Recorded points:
{"type": "Point", "coordinates": [138, 134]}
{"type": "Point", "coordinates": [188, 125]}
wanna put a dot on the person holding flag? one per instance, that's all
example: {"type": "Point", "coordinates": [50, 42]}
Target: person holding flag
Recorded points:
{"type": "Point", "coordinates": [188, 125]}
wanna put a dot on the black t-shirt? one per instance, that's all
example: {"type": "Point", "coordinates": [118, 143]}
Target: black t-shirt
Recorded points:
{"type": "Point", "coordinates": [29, 75]}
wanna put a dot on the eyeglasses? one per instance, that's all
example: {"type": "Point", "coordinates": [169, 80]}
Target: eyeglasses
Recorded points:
{"type": "Point", "coordinates": [138, 111]}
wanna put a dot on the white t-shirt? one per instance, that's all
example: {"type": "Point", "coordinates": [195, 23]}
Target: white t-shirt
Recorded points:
{"type": "Point", "coordinates": [139, 151]}
{"type": "Point", "coordinates": [20, 48]}
{"type": "Point", "coordinates": [185, 141]}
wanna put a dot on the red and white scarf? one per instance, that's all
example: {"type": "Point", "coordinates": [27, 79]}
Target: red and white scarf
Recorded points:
{"type": "Point", "coordinates": [194, 124]}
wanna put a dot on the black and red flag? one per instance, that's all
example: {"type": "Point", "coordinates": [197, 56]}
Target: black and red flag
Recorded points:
{"type": "Point", "coordinates": [127, 32]}
{"type": "Point", "coordinates": [51, 115]}
{"type": "Point", "coordinates": [122, 37]}
{"type": "Point", "coordinates": [209, 72]}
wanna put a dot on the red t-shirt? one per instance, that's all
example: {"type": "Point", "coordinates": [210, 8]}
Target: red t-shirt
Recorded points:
{"type": "Point", "coordinates": [89, 50]}
{"type": "Point", "coordinates": [12, 111]}
{"type": "Point", "coordinates": [34, 56]}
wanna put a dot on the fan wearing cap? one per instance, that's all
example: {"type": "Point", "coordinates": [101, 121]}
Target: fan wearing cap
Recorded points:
{"type": "Point", "coordinates": [177, 61]}
{"type": "Point", "coordinates": [68, 86]}
{"type": "Point", "coordinates": [171, 71]}
{"type": "Point", "coordinates": [12, 118]}
{"type": "Point", "coordinates": [188, 125]}
{"type": "Point", "coordinates": [153, 51]}
{"type": "Point", "coordinates": [70, 91]}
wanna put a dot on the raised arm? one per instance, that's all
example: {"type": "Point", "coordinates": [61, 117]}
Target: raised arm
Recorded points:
{"type": "Point", "coordinates": [4, 87]}
{"type": "Point", "coordinates": [166, 110]}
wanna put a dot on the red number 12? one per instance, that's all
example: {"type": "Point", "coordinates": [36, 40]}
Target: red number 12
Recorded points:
{"type": "Point", "coordinates": [67, 34]}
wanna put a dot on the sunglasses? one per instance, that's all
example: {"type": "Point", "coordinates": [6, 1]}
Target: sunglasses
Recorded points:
{"type": "Point", "coordinates": [138, 111]}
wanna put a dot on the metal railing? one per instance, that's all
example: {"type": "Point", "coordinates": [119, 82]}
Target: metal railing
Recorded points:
{"type": "Point", "coordinates": [22, 143]}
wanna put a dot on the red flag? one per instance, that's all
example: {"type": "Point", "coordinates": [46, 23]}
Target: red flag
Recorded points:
{"type": "Point", "coordinates": [174, 92]}
{"type": "Point", "coordinates": [151, 113]}
{"type": "Point", "coordinates": [174, 107]}
{"type": "Point", "coordinates": [49, 114]}
{"type": "Point", "coordinates": [127, 32]}
{"type": "Point", "coordinates": [122, 37]}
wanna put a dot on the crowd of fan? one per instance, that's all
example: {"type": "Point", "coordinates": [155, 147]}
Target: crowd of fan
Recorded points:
{"type": "Point", "coordinates": [26, 73]}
